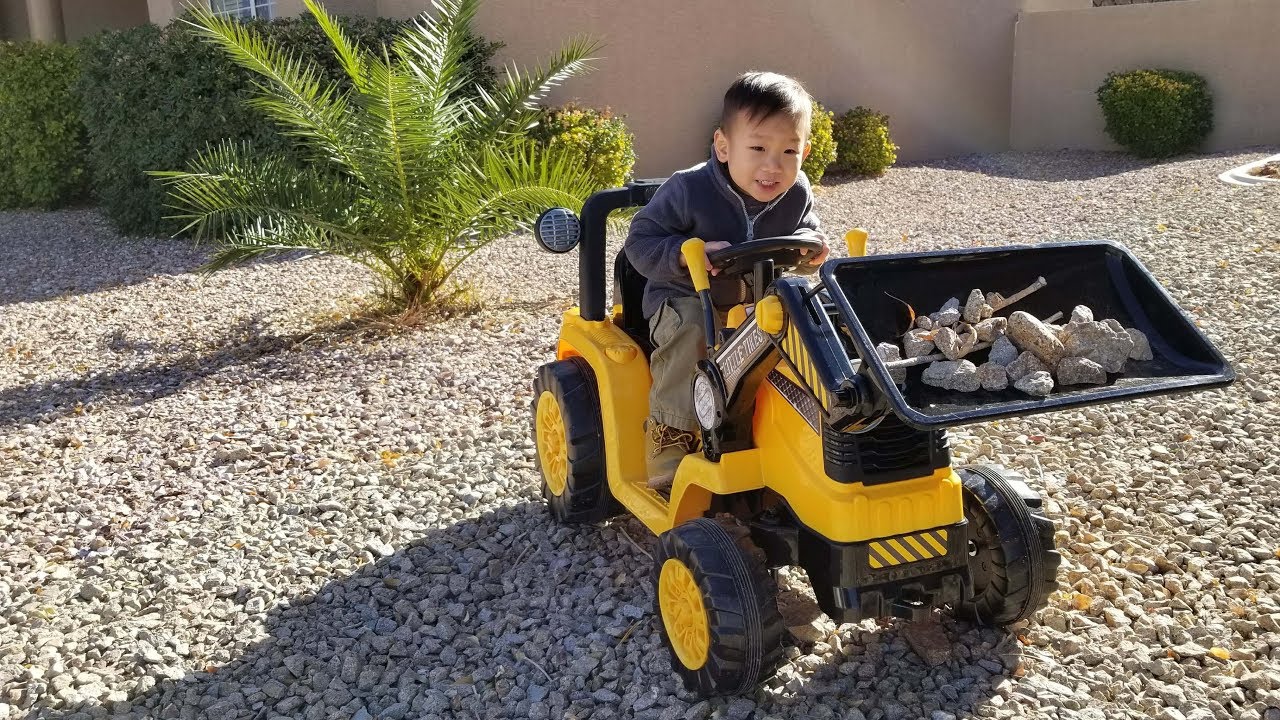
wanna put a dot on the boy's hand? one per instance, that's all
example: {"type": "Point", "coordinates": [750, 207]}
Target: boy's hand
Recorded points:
{"type": "Point", "coordinates": [707, 249]}
{"type": "Point", "coordinates": [821, 257]}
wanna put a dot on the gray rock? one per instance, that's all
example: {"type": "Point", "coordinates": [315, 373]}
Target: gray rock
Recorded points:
{"type": "Point", "coordinates": [1025, 364]}
{"type": "Point", "coordinates": [924, 322]}
{"type": "Point", "coordinates": [973, 307]}
{"type": "Point", "coordinates": [894, 710]}
{"type": "Point", "coordinates": [1141, 345]}
{"type": "Point", "coordinates": [993, 376]}
{"type": "Point", "coordinates": [89, 591]}
{"type": "Point", "coordinates": [1099, 342]}
{"type": "Point", "coordinates": [991, 328]}
{"type": "Point", "coordinates": [928, 641]}
{"type": "Point", "coordinates": [1003, 351]}
{"type": "Point", "coordinates": [740, 709]}
{"type": "Point", "coordinates": [949, 314]}
{"type": "Point", "coordinates": [1037, 383]}
{"type": "Point", "coordinates": [1081, 313]}
{"type": "Point", "coordinates": [958, 375]}
{"type": "Point", "coordinates": [699, 711]}
{"type": "Point", "coordinates": [1028, 333]}
{"type": "Point", "coordinates": [889, 352]}
{"type": "Point", "coordinates": [1080, 371]}
{"type": "Point", "coordinates": [953, 344]}
{"type": "Point", "coordinates": [606, 696]}
{"type": "Point", "coordinates": [917, 343]}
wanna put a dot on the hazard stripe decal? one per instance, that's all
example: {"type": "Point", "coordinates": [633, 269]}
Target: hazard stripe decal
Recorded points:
{"type": "Point", "coordinates": [907, 548]}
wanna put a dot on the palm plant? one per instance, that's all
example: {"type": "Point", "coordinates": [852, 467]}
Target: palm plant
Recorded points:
{"type": "Point", "coordinates": [408, 172]}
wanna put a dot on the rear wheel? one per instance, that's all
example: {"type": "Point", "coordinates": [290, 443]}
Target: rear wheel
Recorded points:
{"type": "Point", "coordinates": [1012, 561]}
{"type": "Point", "coordinates": [719, 616]}
{"type": "Point", "coordinates": [567, 433]}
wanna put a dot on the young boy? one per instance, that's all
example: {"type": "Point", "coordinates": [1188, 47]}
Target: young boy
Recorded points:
{"type": "Point", "coordinates": [751, 188]}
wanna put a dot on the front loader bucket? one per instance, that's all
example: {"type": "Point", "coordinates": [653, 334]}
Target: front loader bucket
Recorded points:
{"type": "Point", "coordinates": [869, 293]}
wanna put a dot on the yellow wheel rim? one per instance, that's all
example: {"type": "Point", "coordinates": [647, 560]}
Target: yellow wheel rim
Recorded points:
{"type": "Point", "coordinates": [553, 447]}
{"type": "Point", "coordinates": [683, 615]}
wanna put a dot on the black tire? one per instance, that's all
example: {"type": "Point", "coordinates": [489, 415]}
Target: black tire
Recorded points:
{"type": "Point", "coordinates": [744, 627]}
{"type": "Point", "coordinates": [1012, 559]}
{"type": "Point", "coordinates": [583, 486]}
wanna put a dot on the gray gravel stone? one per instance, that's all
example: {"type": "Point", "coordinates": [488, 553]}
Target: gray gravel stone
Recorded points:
{"type": "Point", "coordinates": [1029, 334]}
{"type": "Point", "coordinates": [1003, 351]}
{"type": "Point", "coordinates": [1080, 371]}
{"type": "Point", "coordinates": [958, 375]}
{"type": "Point", "coordinates": [992, 376]}
{"type": "Point", "coordinates": [1037, 383]}
{"type": "Point", "coordinates": [918, 342]}
{"type": "Point", "coordinates": [1099, 342]}
{"type": "Point", "coordinates": [1025, 364]}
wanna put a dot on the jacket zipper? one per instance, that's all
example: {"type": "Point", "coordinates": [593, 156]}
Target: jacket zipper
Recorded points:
{"type": "Point", "coordinates": [751, 221]}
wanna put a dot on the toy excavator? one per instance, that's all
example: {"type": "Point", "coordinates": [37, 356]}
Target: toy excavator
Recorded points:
{"type": "Point", "coordinates": [820, 457]}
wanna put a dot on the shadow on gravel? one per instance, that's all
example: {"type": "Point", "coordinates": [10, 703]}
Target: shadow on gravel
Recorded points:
{"type": "Point", "coordinates": [46, 255]}
{"type": "Point", "coordinates": [244, 344]}
{"type": "Point", "coordinates": [507, 615]}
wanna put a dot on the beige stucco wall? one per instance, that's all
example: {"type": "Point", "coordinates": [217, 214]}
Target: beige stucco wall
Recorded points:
{"type": "Point", "coordinates": [13, 20]}
{"type": "Point", "coordinates": [1060, 59]}
{"type": "Point", "coordinates": [366, 8]}
{"type": "Point", "coordinates": [162, 11]}
{"type": "Point", "coordinates": [939, 69]}
{"type": "Point", "coordinates": [88, 17]}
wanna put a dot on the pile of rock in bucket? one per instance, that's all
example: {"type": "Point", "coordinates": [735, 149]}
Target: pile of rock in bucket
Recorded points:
{"type": "Point", "coordinates": [1034, 355]}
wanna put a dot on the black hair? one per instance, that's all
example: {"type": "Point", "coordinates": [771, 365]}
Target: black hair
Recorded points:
{"type": "Point", "coordinates": [761, 95]}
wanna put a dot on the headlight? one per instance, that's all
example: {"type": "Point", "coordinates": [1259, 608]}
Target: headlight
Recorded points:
{"type": "Point", "coordinates": [557, 230]}
{"type": "Point", "coordinates": [706, 402]}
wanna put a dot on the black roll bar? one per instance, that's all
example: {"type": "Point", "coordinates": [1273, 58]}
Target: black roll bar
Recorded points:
{"type": "Point", "coordinates": [591, 261]}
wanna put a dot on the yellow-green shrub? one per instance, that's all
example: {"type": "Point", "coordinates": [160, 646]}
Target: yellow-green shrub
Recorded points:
{"type": "Point", "coordinates": [1156, 113]}
{"type": "Point", "coordinates": [863, 145]}
{"type": "Point", "coordinates": [822, 145]}
{"type": "Point", "coordinates": [42, 147]}
{"type": "Point", "coordinates": [598, 137]}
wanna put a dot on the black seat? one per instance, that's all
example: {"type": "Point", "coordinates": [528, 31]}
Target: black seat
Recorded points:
{"type": "Point", "coordinates": [628, 291]}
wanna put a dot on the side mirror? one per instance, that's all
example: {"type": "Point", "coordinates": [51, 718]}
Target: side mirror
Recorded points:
{"type": "Point", "coordinates": [557, 230]}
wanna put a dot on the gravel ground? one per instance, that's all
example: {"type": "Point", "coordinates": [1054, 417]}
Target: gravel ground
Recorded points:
{"type": "Point", "coordinates": [222, 500]}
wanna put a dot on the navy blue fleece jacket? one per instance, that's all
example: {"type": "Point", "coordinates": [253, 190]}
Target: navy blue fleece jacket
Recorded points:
{"type": "Point", "coordinates": [701, 202]}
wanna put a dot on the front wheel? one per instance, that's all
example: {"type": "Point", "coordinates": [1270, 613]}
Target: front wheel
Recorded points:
{"type": "Point", "coordinates": [570, 443]}
{"type": "Point", "coordinates": [719, 616]}
{"type": "Point", "coordinates": [1012, 561]}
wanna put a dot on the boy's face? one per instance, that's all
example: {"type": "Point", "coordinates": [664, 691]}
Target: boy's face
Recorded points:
{"type": "Point", "coordinates": [764, 156]}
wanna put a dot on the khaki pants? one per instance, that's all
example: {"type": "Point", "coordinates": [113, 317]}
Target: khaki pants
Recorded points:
{"type": "Point", "coordinates": [679, 343]}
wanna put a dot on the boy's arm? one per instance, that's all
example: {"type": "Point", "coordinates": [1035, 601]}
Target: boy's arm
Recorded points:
{"type": "Point", "coordinates": [810, 225]}
{"type": "Point", "coordinates": [657, 231]}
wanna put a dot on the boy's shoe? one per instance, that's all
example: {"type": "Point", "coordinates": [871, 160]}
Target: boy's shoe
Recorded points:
{"type": "Point", "coordinates": [667, 446]}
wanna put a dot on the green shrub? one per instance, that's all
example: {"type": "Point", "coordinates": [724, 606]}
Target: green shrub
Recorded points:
{"type": "Point", "coordinates": [822, 145]}
{"type": "Point", "coordinates": [157, 97]}
{"type": "Point", "coordinates": [42, 154]}
{"type": "Point", "coordinates": [863, 146]}
{"type": "Point", "coordinates": [596, 138]}
{"type": "Point", "coordinates": [1156, 113]}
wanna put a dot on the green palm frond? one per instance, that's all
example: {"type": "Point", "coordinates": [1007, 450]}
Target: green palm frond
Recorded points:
{"type": "Point", "coordinates": [349, 54]}
{"type": "Point", "coordinates": [408, 173]}
{"type": "Point", "coordinates": [513, 107]}
{"type": "Point", "coordinates": [232, 186]}
{"type": "Point", "coordinates": [291, 91]}
{"type": "Point", "coordinates": [434, 49]}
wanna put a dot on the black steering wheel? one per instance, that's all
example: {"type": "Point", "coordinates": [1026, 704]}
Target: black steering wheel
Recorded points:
{"type": "Point", "coordinates": [785, 251]}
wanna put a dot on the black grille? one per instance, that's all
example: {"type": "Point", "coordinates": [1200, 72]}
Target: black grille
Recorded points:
{"type": "Point", "coordinates": [892, 451]}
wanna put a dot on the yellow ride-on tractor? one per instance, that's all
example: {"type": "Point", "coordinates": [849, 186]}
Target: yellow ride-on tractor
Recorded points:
{"type": "Point", "coordinates": [820, 457]}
